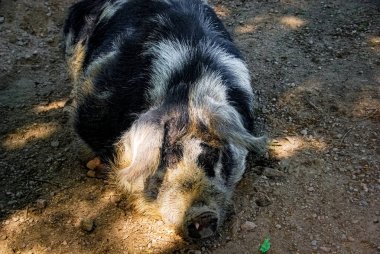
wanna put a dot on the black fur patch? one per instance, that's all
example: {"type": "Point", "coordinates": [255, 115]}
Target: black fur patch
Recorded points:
{"type": "Point", "coordinates": [82, 19]}
{"type": "Point", "coordinates": [208, 159]}
{"type": "Point", "coordinates": [228, 163]}
{"type": "Point", "coordinates": [172, 149]}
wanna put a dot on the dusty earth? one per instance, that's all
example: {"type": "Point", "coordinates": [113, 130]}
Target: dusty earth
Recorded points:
{"type": "Point", "coordinates": [316, 67]}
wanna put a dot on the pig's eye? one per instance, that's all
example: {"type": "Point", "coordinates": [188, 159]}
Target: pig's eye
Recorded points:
{"type": "Point", "coordinates": [208, 158]}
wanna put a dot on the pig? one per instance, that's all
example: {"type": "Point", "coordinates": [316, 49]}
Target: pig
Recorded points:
{"type": "Point", "coordinates": [163, 97]}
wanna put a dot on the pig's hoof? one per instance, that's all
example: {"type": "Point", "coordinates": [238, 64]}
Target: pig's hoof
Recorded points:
{"type": "Point", "coordinates": [97, 169]}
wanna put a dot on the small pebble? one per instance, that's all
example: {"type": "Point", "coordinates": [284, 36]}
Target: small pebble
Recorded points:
{"type": "Point", "coordinates": [41, 203]}
{"type": "Point", "coordinates": [3, 237]}
{"type": "Point", "coordinates": [248, 226]}
{"type": "Point", "coordinates": [87, 224]}
{"type": "Point", "coordinates": [2, 19]}
{"type": "Point", "coordinates": [278, 226]}
{"type": "Point", "coordinates": [351, 239]}
{"type": "Point", "coordinates": [91, 173]}
{"type": "Point", "coordinates": [304, 132]}
{"type": "Point", "coordinates": [325, 249]}
{"type": "Point", "coordinates": [314, 242]}
{"type": "Point", "coordinates": [311, 189]}
{"type": "Point", "coordinates": [115, 199]}
{"type": "Point", "coordinates": [54, 143]}
{"type": "Point", "coordinates": [365, 187]}
{"type": "Point", "coordinates": [263, 200]}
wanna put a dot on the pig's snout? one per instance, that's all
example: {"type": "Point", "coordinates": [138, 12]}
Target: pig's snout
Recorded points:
{"type": "Point", "coordinates": [203, 225]}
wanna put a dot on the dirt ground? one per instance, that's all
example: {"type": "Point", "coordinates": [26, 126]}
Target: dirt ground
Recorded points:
{"type": "Point", "coordinates": [316, 68]}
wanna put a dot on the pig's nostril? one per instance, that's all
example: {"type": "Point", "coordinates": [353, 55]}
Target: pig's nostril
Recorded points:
{"type": "Point", "coordinates": [203, 226]}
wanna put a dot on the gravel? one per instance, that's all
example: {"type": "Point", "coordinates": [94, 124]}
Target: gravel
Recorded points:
{"type": "Point", "coordinates": [87, 224]}
{"type": "Point", "coordinates": [248, 226]}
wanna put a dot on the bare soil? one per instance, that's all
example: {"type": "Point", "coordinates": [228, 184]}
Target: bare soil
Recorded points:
{"type": "Point", "coordinates": [316, 68]}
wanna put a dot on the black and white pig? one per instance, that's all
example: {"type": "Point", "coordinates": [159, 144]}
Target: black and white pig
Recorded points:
{"type": "Point", "coordinates": [163, 96]}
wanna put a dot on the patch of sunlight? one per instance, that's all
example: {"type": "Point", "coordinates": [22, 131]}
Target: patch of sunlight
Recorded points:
{"type": "Point", "coordinates": [245, 29]}
{"type": "Point", "coordinates": [288, 146]}
{"type": "Point", "coordinates": [301, 93]}
{"type": "Point", "coordinates": [32, 132]}
{"type": "Point", "coordinates": [15, 223]}
{"type": "Point", "coordinates": [367, 107]}
{"type": "Point", "coordinates": [374, 41]}
{"type": "Point", "coordinates": [222, 11]}
{"type": "Point", "coordinates": [292, 22]}
{"type": "Point", "coordinates": [51, 106]}
{"type": "Point", "coordinates": [137, 230]}
{"type": "Point", "coordinates": [260, 19]}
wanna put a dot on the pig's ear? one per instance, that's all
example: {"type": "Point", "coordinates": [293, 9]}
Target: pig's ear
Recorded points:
{"type": "Point", "coordinates": [226, 123]}
{"type": "Point", "coordinates": [138, 151]}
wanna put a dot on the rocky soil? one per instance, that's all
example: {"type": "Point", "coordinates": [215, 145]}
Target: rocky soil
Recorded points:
{"type": "Point", "coordinates": [316, 68]}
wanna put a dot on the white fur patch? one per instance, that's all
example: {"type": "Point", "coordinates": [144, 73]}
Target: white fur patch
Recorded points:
{"type": "Point", "coordinates": [170, 56]}
{"type": "Point", "coordinates": [100, 61]}
{"type": "Point", "coordinates": [218, 170]}
{"type": "Point", "coordinates": [115, 50]}
{"type": "Point", "coordinates": [236, 66]}
{"type": "Point", "coordinates": [109, 9]}
{"type": "Point", "coordinates": [142, 143]}
{"type": "Point", "coordinates": [191, 151]}
{"type": "Point", "coordinates": [209, 86]}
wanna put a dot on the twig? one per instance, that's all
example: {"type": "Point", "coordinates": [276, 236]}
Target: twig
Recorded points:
{"type": "Point", "coordinates": [46, 181]}
{"type": "Point", "coordinates": [345, 135]}
{"type": "Point", "coordinates": [344, 81]}
{"type": "Point", "coordinates": [313, 106]}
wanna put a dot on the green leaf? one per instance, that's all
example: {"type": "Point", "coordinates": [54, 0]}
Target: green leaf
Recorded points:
{"type": "Point", "coordinates": [265, 246]}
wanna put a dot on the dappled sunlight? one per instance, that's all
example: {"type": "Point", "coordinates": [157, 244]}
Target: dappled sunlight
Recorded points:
{"type": "Point", "coordinates": [292, 22]}
{"type": "Point", "coordinates": [374, 41]}
{"type": "Point", "coordinates": [252, 24]}
{"type": "Point", "coordinates": [367, 107]}
{"type": "Point", "coordinates": [222, 11]}
{"type": "Point", "coordinates": [137, 230]}
{"type": "Point", "coordinates": [259, 19]}
{"type": "Point", "coordinates": [286, 147]}
{"type": "Point", "coordinates": [301, 93]}
{"type": "Point", "coordinates": [118, 229]}
{"type": "Point", "coordinates": [244, 29]}
{"type": "Point", "coordinates": [51, 106]}
{"type": "Point", "coordinates": [22, 136]}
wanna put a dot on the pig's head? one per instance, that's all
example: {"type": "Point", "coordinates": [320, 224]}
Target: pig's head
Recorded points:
{"type": "Point", "coordinates": [183, 165]}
